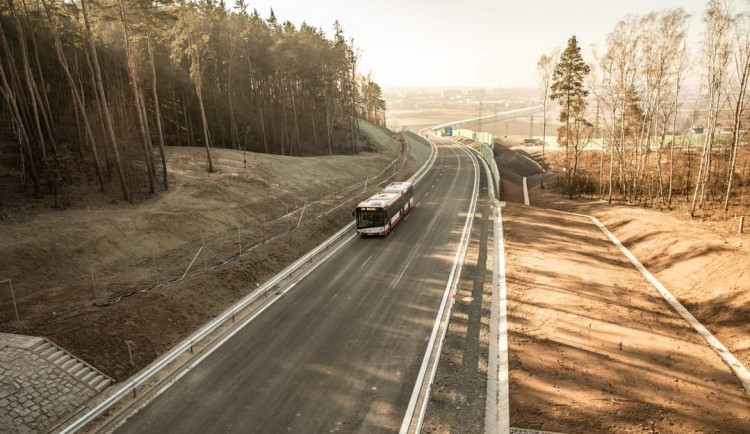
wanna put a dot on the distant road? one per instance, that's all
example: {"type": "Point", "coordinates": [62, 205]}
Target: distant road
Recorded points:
{"type": "Point", "coordinates": [342, 350]}
{"type": "Point", "coordinates": [502, 115]}
{"type": "Point", "coordinates": [515, 165]}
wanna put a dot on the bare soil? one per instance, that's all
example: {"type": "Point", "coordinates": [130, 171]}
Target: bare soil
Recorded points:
{"type": "Point", "coordinates": [49, 254]}
{"type": "Point", "coordinates": [593, 346]}
{"type": "Point", "coordinates": [702, 263]}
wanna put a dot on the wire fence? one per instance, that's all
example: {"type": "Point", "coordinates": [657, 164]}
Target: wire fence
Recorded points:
{"type": "Point", "coordinates": [113, 281]}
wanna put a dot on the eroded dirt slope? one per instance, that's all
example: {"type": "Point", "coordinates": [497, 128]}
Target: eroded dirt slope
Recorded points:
{"type": "Point", "coordinates": [594, 348]}
{"type": "Point", "coordinates": [703, 264]}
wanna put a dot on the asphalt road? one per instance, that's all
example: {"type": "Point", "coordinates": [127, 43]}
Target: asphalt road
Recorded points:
{"type": "Point", "coordinates": [342, 350]}
{"type": "Point", "coordinates": [513, 166]}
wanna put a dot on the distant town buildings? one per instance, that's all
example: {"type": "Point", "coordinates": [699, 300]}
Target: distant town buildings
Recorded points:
{"type": "Point", "coordinates": [488, 99]}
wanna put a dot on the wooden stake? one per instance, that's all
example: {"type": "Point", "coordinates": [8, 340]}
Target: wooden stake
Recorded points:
{"type": "Point", "coordinates": [156, 272]}
{"type": "Point", "coordinates": [15, 307]}
{"type": "Point", "coordinates": [93, 282]}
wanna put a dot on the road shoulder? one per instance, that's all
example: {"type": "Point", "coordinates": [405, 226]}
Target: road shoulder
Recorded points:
{"type": "Point", "coordinates": [458, 399]}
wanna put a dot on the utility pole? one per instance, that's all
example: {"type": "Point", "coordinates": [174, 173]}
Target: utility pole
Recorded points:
{"type": "Point", "coordinates": [494, 121]}
{"type": "Point", "coordinates": [480, 115]}
{"type": "Point", "coordinates": [531, 126]}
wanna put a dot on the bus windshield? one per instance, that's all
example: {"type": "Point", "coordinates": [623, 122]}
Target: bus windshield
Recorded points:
{"type": "Point", "coordinates": [370, 219]}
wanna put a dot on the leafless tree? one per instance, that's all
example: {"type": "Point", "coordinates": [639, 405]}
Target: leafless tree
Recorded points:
{"type": "Point", "coordinates": [545, 68]}
{"type": "Point", "coordinates": [742, 75]}
{"type": "Point", "coordinates": [717, 45]}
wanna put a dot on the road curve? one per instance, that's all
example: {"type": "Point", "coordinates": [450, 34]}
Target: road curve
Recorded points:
{"type": "Point", "coordinates": [342, 350]}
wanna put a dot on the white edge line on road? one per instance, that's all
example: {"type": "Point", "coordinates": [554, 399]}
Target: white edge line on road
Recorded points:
{"type": "Point", "coordinates": [455, 271]}
{"type": "Point", "coordinates": [454, 288]}
{"type": "Point", "coordinates": [79, 420]}
{"type": "Point", "coordinates": [216, 345]}
{"type": "Point", "coordinates": [525, 193]}
{"type": "Point", "coordinates": [497, 413]}
{"type": "Point", "coordinates": [497, 407]}
{"type": "Point", "coordinates": [533, 161]}
{"type": "Point", "coordinates": [729, 359]}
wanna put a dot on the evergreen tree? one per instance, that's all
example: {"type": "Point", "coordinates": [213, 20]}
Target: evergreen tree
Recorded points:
{"type": "Point", "coordinates": [569, 90]}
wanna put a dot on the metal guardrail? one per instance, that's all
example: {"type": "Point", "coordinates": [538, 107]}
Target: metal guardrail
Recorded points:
{"type": "Point", "coordinates": [489, 157]}
{"type": "Point", "coordinates": [84, 417]}
{"type": "Point", "coordinates": [415, 412]}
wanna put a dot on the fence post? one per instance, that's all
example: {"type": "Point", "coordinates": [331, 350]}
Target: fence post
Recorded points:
{"type": "Point", "coordinates": [93, 282]}
{"type": "Point", "coordinates": [156, 271]}
{"type": "Point", "coordinates": [239, 238]}
{"type": "Point", "coordinates": [13, 296]}
{"type": "Point", "coordinates": [742, 224]}
{"type": "Point", "coordinates": [205, 262]}
{"type": "Point", "coordinates": [130, 354]}
{"type": "Point", "coordinates": [301, 214]}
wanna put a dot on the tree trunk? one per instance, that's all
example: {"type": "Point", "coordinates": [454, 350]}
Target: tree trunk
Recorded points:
{"type": "Point", "coordinates": [737, 124]}
{"type": "Point", "coordinates": [30, 84]}
{"type": "Point", "coordinates": [105, 107]}
{"type": "Point", "coordinates": [76, 97]}
{"type": "Point", "coordinates": [25, 142]}
{"type": "Point", "coordinates": [204, 121]}
{"type": "Point", "coordinates": [142, 120]}
{"type": "Point", "coordinates": [157, 110]}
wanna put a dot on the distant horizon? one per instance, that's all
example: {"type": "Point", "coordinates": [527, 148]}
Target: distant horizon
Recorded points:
{"type": "Point", "coordinates": [478, 43]}
{"type": "Point", "coordinates": [448, 87]}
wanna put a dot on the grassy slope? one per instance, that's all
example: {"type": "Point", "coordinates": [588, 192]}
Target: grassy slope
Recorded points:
{"type": "Point", "coordinates": [53, 248]}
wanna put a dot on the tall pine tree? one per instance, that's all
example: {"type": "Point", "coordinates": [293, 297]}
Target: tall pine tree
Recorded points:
{"type": "Point", "coordinates": [569, 90]}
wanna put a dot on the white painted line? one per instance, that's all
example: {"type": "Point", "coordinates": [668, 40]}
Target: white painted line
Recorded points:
{"type": "Point", "coordinates": [366, 261]}
{"type": "Point", "coordinates": [453, 279]}
{"type": "Point", "coordinates": [525, 193]}
{"type": "Point", "coordinates": [729, 359]}
{"type": "Point", "coordinates": [217, 344]}
{"type": "Point", "coordinates": [533, 161]}
{"type": "Point", "coordinates": [78, 421]}
{"type": "Point", "coordinates": [419, 242]}
{"type": "Point", "coordinates": [454, 288]}
{"type": "Point", "coordinates": [497, 411]}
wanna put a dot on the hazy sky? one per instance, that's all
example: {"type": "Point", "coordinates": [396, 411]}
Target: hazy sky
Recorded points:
{"type": "Point", "coordinates": [489, 43]}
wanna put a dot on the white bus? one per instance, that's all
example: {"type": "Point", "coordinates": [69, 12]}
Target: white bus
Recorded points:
{"type": "Point", "coordinates": [382, 212]}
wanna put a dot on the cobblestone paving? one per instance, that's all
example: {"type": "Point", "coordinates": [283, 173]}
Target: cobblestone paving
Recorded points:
{"type": "Point", "coordinates": [34, 393]}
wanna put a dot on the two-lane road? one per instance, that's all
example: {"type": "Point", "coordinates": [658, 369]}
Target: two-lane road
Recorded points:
{"type": "Point", "coordinates": [342, 350]}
